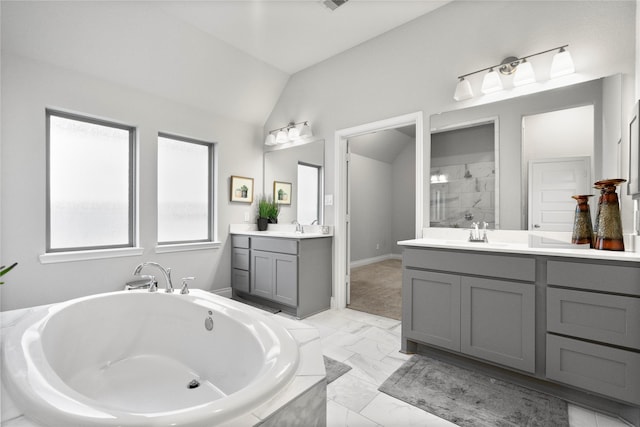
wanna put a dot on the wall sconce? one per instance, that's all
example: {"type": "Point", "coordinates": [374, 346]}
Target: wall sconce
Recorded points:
{"type": "Point", "coordinates": [289, 133]}
{"type": "Point", "coordinates": [562, 65]}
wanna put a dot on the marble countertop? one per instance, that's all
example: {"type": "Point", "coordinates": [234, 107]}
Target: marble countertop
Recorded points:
{"type": "Point", "coordinates": [283, 231]}
{"type": "Point", "coordinates": [516, 242]}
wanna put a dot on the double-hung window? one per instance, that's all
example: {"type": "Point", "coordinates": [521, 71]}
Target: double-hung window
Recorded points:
{"type": "Point", "coordinates": [185, 190]}
{"type": "Point", "coordinates": [90, 183]}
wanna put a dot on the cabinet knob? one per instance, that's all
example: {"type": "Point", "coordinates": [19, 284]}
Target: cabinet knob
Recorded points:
{"type": "Point", "coordinates": [536, 225]}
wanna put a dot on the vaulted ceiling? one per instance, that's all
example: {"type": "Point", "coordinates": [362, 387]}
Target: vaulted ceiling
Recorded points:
{"type": "Point", "coordinates": [232, 58]}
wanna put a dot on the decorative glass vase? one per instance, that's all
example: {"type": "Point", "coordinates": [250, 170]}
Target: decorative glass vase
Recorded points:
{"type": "Point", "coordinates": [582, 228]}
{"type": "Point", "coordinates": [609, 232]}
{"type": "Point", "coordinates": [597, 222]}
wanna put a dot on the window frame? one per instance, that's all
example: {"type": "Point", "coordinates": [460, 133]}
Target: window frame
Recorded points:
{"type": "Point", "coordinates": [132, 187]}
{"type": "Point", "coordinates": [163, 246]}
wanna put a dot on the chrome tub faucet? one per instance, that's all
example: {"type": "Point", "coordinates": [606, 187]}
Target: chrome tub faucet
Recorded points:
{"type": "Point", "coordinates": [166, 273]}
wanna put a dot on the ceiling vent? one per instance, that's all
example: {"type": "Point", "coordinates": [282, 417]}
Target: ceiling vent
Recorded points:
{"type": "Point", "coordinates": [333, 4]}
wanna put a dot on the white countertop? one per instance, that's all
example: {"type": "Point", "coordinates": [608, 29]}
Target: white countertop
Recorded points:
{"type": "Point", "coordinates": [283, 231]}
{"type": "Point", "coordinates": [516, 242]}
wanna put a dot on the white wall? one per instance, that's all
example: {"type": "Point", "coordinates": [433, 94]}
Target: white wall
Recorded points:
{"type": "Point", "coordinates": [390, 76]}
{"type": "Point", "coordinates": [28, 87]}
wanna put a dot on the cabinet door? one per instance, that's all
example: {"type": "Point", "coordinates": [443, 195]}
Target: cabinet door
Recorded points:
{"type": "Point", "coordinates": [240, 279]}
{"type": "Point", "coordinates": [431, 308]}
{"type": "Point", "coordinates": [285, 282]}
{"type": "Point", "coordinates": [498, 321]}
{"type": "Point", "coordinates": [262, 274]}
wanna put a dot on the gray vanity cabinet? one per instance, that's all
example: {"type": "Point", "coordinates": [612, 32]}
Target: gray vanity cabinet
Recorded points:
{"type": "Point", "coordinates": [498, 321]}
{"type": "Point", "coordinates": [290, 274]}
{"type": "Point", "coordinates": [433, 316]}
{"type": "Point", "coordinates": [593, 327]}
{"type": "Point", "coordinates": [489, 318]}
{"type": "Point", "coordinates": [275, 276]}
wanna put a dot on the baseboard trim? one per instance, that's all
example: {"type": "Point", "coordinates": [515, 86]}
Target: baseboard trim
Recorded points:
{"type": "Point", "coordinates": [367, 261]}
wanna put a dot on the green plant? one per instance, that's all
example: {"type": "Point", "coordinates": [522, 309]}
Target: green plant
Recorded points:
{"type": "Point", "coordinates": [268, 208]}
{"type": "Point", "coordinates": [4, 270]}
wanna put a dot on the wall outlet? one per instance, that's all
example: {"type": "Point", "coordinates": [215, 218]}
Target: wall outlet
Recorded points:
{"type": "Point", "coordinates": [246, 217]}
{"type": "Point", "coordinates": [377, 245]}
{"type": "Point", "coordinates": [328, 199]}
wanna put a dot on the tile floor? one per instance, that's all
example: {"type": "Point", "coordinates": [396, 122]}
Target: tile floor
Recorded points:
{"type": "Point", "coordinates": [370, 344]}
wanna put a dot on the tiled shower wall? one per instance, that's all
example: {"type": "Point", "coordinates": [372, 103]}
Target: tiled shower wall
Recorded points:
{"type": "Point", "coordinates": [468, 195]}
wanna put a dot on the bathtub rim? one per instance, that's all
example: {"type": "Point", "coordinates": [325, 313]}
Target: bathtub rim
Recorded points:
{"type": "Point", "coordinates": [20, 383]}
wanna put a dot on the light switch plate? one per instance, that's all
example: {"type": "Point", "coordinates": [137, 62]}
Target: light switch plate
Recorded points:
{"type": "Point", "coordinates": [328, 199]}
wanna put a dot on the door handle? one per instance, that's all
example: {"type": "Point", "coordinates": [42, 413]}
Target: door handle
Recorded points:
{"type": "Point", "coordinates": [536, 225]}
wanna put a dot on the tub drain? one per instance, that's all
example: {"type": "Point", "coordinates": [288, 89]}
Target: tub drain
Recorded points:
{"type": "Point", "coordinates": [193, 384]}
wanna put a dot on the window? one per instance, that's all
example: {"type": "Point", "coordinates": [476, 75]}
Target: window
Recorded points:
{"type": "Point", "coordinates": [90, 183]}
{"type": "Point", "coordinates": [185, 190]}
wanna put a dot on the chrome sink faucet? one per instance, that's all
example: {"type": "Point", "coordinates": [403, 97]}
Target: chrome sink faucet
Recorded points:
{"type": "Point", "coordinates": [166, 273]}
{"type": "Point", "coordinates": [474, 233]}
{"type": "Point", "coordinates": [299, 228]}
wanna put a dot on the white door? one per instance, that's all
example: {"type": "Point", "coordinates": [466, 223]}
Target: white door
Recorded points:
{"type": "Point", "coordinates": [552, 182]}
{"type": "Point", "coordinates": [348, 224]}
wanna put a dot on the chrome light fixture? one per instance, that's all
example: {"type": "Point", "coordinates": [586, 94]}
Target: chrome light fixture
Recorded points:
{"type": "Point", "coordinates": [289, 133]}
{"type": "Point", "coordinates": [521, 68]}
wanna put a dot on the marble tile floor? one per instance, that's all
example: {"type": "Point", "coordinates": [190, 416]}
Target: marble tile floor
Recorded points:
{"type": "Point", "coordinates": [370, 344]}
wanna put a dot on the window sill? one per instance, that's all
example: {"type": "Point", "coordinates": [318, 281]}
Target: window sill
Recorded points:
{"type": "Point", "coordinates": [181, 247]}
{"type": "Point", "coordinates": [55, 257]}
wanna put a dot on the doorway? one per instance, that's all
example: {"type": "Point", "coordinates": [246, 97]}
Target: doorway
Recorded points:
{"type": "Point", "coordinates": [381, 192]}
{"type": "Point", "coordinates": [343, 212]}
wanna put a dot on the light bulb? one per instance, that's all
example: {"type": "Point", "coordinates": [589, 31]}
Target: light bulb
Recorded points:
{"type": "Point", "coordinates": [306, 131]}
{"type": "Point", "coordinates": [294, 133]}
{"type": "Point", "coordinates": [270, 139]}
{"type": "Point", "coordinates": [282, 137]}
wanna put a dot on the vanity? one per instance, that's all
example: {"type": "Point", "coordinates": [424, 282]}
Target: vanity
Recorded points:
{"type": "Point", "coordinates": [563, 320]}
{"type": "Point", "coordinates": [284, 270]}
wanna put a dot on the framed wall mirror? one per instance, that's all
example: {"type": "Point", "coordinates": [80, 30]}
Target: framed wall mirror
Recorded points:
{"type": "Point", "coordinates": [301, 166]}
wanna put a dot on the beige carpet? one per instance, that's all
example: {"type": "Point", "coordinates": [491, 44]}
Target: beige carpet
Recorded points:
{"type": "Point", "coordinates": [376, 288]}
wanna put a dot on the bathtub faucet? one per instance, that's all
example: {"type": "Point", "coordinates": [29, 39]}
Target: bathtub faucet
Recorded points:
{"type": "Point", "coordinates": [166, 272]}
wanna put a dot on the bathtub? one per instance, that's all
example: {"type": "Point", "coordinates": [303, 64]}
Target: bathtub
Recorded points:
{"type": "Point", "coordinates": [138, 358]}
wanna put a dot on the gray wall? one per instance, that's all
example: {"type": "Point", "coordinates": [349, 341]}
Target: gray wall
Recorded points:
{"type": "Point", "coordinates": [388, 77]}
{"type": "Point", "coordinates": [371, 207]}
{"type": "Point", "coordinates": [467, 145]}
{"type": "Point", "coordinates": [403, 176]}
{"type": "Point", "coordinates": [30, 86]}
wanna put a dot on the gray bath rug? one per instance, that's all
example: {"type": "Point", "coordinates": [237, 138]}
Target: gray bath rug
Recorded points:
{"type": "Point", "coordinates": [256, 305]}
{"type": "Point", "coordinates": [472, 399]}
{"type": "Point", "coordinates": [334, 369]}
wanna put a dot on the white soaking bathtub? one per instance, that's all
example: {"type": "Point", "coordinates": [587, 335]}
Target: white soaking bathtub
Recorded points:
{"type": "Point", "coordinates": [135, 358]}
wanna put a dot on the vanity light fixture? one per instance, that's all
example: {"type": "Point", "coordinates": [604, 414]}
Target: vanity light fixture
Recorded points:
{"type": "Point", "coordinates": [491, 82]}
{"type": "Point", "coordinates": [562, 65]}
{"type": "Point", "coordinates": [289, 133]}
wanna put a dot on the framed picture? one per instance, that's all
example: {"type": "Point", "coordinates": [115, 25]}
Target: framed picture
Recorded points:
{"type": "Point", "coordinates": [282, 192]}
{"type": "Point", "coordinates": [241, 189]}
{"type": "Point", "coordinates": [634, 153]}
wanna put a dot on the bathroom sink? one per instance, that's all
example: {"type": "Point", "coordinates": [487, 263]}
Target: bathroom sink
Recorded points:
{"type": "Point", "coordinates": [479, 244]}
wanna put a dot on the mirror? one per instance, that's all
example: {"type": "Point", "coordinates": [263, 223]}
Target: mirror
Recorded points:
{"type": "Point", "coordinates": [294, 176]}
{"type": "Point", "coordinates": [510, 198]}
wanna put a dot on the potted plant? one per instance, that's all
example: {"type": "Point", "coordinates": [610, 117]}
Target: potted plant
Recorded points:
{"type": "Point", "coordinates": [273, 212]}
{"type": "Point", "coordinates": [264, 210]}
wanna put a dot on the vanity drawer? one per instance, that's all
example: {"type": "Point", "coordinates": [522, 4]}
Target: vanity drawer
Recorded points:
{"type": "Point", "coordinates": [501, 266]}
{"type": "Point", "coordinates": [240, 258]}
{"type": "Point", "coordinates": [597, 277]}
{"type": "Point", "coordinates": [609, 371]}
{"type": "Point", "coordinates": [240, 241]}
{"type": "Point", "coordinates": [283, 246]}
{"type": "Point", "coordinates": [240, 280]}
{"type": "Point", "coordinates": [611, 319]}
